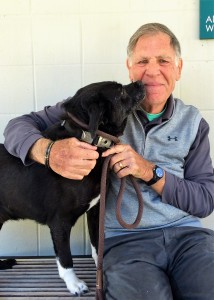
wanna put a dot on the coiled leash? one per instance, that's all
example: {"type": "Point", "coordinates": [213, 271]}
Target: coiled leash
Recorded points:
{"type": "Point", "coordinates": [99, 275]}
{"type": "Point", "coordinates": [106, 140]}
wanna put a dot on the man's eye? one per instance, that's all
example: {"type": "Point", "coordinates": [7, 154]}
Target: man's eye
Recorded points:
{"type": "Point", "coordinates": [163, 61]}
{"type": "Point", "coordinates": [143, 62]}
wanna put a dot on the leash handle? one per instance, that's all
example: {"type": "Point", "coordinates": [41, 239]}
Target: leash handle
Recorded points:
{"type": "Point", "coordinates": [120, 200]}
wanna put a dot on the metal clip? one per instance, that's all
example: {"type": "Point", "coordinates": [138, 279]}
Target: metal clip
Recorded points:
{"type": "Point", "coordinates": [86, 137]}
{"type": "Point", "coordinates": [103, 142]}
{"type": "Point", "coordinates": [99, 141]}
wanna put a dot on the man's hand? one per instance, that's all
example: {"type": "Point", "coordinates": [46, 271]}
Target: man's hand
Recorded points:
{"type": "Point", "coordinates": [69, 158]}
{"type": "Point", "coordinates": [126, 161]}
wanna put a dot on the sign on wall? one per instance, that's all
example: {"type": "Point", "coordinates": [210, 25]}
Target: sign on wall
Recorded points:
{"type": "Point", "coordinates": [206, 19]}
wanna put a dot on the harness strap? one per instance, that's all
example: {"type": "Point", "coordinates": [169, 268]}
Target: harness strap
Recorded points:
{"type": "Point", "coordinates": [105, 135]}
{"type": "Point", "coordinates": [99, 141]}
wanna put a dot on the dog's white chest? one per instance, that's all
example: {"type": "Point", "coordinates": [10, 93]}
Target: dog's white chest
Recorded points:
{"type": "Point", "coordinates": [94, 202]}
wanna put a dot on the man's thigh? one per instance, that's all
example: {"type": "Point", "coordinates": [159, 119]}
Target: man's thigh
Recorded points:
{"type": "Point", "coordinates": [133, 268]}
{"type": "Point", "coordinates": [156, 264]}
{"type": "Point", "coordinates": [192, 271]}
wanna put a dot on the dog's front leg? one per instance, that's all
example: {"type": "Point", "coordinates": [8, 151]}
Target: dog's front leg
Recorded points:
{"type": "Point", "coordinates": [61, 240]}
{"type": "Point", "coordinates": [93, 228]}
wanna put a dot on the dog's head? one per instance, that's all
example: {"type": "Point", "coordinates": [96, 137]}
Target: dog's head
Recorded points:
{"type": "Point", "coordinates": [106, 105]}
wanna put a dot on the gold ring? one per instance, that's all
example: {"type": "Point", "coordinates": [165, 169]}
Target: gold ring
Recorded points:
{"type": "Point", "coordinates": [121, 165]}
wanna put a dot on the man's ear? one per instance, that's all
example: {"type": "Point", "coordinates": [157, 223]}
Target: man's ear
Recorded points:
{"type": "Point", "coordinates": [95, 113]}
{"type": "Point", "coordinates": [129, 67]}
{"type": "Point", "coordinates": [179, 69]}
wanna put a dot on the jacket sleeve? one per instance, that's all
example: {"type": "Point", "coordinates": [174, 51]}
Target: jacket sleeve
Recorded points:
{"type": "Point", "coordinates": [22, 132]}
{"type": "Point", "coordinates": [195, 193]}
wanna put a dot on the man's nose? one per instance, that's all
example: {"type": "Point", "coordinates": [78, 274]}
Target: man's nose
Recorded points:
{"type": "Point", "coordinates": [152, 68]}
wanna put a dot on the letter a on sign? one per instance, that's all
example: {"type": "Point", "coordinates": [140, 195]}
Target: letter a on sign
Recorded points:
{"type": "Point", "coordinates": [206, 19]}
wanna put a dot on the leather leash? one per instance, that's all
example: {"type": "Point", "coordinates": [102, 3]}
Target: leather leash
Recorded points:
{"type": "Point", "coordinates": [99, 275]}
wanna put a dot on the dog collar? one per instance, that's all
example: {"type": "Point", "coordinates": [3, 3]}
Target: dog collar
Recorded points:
{"type": "Point", "coordinates": [98, 141]}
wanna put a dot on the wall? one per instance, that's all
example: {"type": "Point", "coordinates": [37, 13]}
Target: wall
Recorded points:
{"type": "Point", "coordinates": [50, 48]}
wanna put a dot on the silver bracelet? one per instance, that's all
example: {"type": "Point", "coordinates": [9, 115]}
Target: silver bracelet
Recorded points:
{"type": "Point", "coordinates": [47, 154]}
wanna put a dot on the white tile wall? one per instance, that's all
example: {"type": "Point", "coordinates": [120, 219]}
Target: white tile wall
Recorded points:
{"type": "Point", "coordinates": [19, 238]}
{"type": "Point", "coordinates": [167, 5]}
{"type": "Point", "coordinates": [55, 7]}
{"type": "Point", "coordinates": [56, 39]}
{"type": "Point", "coordinates": [15, 46]}
{"type": "Point", "coordinates": [16, 90]}
{"type": "Point", "coordinates": [56, 82]}
{"type": "Point", "coordinates": [50, 48]}
{"type": "Point", "coordinates": [197, 86]}
{"type": "Point", "coordinates": [11, 7]}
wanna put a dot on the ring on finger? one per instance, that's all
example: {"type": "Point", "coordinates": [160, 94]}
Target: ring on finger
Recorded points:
{"type": "Point", "coordinates": [121, 165]}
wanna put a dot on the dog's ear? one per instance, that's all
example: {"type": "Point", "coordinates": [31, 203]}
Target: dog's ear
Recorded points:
{"type": "Point", "coordinates": [95, 112]}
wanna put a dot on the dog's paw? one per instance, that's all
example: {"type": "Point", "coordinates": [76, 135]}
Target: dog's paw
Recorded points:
{"type": "Point", "coordinates": [7, 264]}
{"type": "Point", "coordinates": [76, 286]}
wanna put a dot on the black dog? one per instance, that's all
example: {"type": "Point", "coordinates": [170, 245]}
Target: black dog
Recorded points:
{"type": "Point", "coordinates": [39, 194]}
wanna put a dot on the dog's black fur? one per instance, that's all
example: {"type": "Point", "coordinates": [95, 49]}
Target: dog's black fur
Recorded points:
{"type": "Point", "coordinates": [39, 194]}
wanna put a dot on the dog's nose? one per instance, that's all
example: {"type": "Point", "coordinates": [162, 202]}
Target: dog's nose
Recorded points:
{"type": "Point", "coordinates": [138, 83]}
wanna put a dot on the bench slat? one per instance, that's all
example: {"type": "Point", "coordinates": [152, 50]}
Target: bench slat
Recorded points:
{"type": "Point", "coordinates": [37, 279]}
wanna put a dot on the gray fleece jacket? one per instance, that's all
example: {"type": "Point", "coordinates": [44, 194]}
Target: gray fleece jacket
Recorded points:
{"type": "Point", "coordinates": [167, 144]}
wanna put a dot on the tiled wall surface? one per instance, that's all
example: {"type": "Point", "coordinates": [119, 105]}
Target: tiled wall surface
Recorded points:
{"type": "Point", "coordinates": [51, 48]}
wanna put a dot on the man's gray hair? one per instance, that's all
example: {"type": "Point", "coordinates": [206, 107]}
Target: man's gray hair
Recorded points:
{"type": "Point", "coordinates": [150, 29]}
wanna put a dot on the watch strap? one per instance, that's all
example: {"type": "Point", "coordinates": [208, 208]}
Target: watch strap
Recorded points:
{"type": "Point", "coordinates": [155, 177]}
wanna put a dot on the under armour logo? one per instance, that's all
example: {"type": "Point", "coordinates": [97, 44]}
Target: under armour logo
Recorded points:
{"type": "Point", "coordinates": [172, 138]}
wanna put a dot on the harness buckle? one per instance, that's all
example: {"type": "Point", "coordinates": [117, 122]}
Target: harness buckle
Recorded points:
{"type": "Point", "coordinates": [103, 142]}
{"type": "Point", "coordinates": [98, 141]}
{"type": "Point", "coordinates": [86, 137]}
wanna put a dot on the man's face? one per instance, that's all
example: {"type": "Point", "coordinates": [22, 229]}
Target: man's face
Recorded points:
{"type": "Point", "coordinates": [154, 63]}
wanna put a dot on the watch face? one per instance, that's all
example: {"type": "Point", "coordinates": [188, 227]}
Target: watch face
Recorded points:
{"type": "Point", "coordinates": [159, 172]}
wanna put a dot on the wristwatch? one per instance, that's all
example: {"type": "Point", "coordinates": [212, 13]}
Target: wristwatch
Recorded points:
{"type": "Point", "coordinates": [158, 173]}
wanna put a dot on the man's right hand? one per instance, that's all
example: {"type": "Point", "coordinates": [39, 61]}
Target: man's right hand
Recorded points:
{"type": "Point", "coordinates": [69, 158]}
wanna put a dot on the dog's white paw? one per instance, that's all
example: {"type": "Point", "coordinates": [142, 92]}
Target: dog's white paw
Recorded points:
{"type": "Point", "coordinates": [76, 286]}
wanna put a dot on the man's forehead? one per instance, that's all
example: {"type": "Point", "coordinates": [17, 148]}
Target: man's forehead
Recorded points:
{"type": "Point", "coordinates": [157, 57]}
{"type": "Point", "coordinates": [154, 48]}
